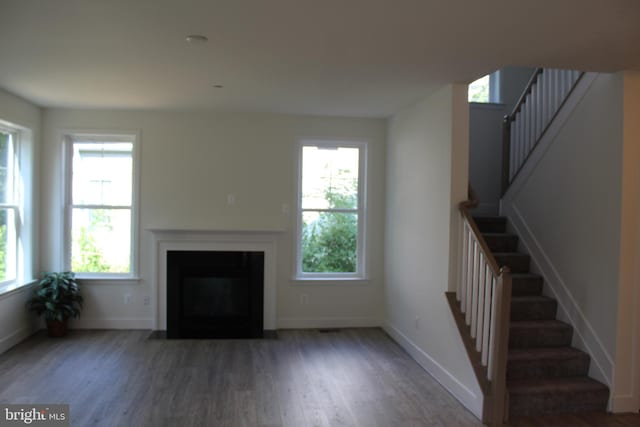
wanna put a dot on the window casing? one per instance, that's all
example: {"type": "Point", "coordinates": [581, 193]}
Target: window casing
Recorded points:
{"type": "Point", "coordinates": [10, 206]}
{"type": "Point", "coordinates": [331, 213]}
{"type": "Point", "coordinates": [100, 200]}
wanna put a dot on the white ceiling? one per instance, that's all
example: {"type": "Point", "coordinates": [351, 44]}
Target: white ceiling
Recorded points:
{"type": "Point", "coordinates": [329, 57]}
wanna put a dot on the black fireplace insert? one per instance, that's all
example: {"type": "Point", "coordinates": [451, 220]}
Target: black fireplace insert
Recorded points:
{"type": "Point", "coordinates": [215, 294]}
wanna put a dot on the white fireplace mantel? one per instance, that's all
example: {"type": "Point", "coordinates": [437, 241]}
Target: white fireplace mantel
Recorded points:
{"type": "Point", "coordinates": [213, 240]}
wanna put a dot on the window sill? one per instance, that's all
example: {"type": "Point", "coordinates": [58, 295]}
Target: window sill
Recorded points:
{"type": "Point", "coordinates": [91, 280]}
{"type": "Point", "coordinates": [330, 281]}
{"type": "Point", "coordinates": [12, 288]}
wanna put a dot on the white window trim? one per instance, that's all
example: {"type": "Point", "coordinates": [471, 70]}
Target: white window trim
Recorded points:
{"type": "Point", "coordinates": [25, 215]}
{"type": "Point", "coordinates": [133, 136]}
{"type": "Point", "coordinates": [15, 206]}
{"type": "Point", "coordinates": [494, 87]}
{"type": "Point", "coordinates": [360, 275]}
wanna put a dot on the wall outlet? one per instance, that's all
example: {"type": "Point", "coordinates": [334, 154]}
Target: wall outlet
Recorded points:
{"type": "Point", "coordinates": [417, 323]}
{"type": "Point", "coordinates": [146, 300]}
{"type": "Point", "coordinates": [127, 298]}
{"type": "Point", "coordinates": [304, 299]}
{"type": "Point", "coordinates": [231, 199]}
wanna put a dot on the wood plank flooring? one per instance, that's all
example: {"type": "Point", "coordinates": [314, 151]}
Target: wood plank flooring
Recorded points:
{"type": "Point", "coordinates": [355, 377]}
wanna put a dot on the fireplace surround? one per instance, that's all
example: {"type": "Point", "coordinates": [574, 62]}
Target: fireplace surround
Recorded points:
{"type": "Point", "coordinates": [167, 240]}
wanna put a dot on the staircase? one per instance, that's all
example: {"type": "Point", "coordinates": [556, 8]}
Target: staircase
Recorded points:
{"type": "Point", "coordinates": [545, 375]}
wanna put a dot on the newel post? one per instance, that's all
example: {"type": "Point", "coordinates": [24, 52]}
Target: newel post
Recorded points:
{"type": "Point", "coordinates": [499, 380]}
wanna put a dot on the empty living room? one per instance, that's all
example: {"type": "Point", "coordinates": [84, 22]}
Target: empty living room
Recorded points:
{"type": "Point", "coordinates": [302, 213]}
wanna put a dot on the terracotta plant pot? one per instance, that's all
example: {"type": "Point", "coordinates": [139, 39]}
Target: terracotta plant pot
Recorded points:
{"type": "Point", "coordinates": [57, 328]}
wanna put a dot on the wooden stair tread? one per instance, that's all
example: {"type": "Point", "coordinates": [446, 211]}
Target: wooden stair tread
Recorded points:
{"type": "Point", "coordinates": [525, 276]}
{"type": "Point", "coordinates": [498, 234]}
{"type": "Point", "coordinates": [537, 324]}
{"type": "Point", "coordinates": [531, 298]}
{"type": "Point", "coordinates": [539, 353]}
{"type": "Point", "coordinates": [510, 254]}
{"type": "Point", "coordinates": [555, 385]}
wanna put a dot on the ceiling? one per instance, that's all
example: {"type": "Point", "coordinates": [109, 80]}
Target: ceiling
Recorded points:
{"type": "Point", "coordinates": [329, 57]}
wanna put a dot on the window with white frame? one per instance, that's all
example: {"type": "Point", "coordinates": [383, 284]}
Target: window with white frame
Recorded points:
{"type": "Point", "coordinates": [331, 209]}
{"type": "Point", "coordinates": [9, 205]}
{"type": "Point", "coordinates": [486, 89]}
{"type": "Point", "coordinates": [100, 200]}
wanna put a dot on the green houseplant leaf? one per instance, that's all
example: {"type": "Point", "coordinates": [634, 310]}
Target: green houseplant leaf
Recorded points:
{"type": "Point", "coordinates": [57, 296]}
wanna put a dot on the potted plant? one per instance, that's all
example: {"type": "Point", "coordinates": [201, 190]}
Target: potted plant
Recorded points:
{"type": "Point", "coordinates": [57, 296]}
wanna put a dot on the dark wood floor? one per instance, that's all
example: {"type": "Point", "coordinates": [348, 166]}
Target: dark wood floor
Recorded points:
{"type": "Point", "coordinates": [353, 377]}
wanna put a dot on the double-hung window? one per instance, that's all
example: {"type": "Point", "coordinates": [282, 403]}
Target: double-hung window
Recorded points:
{"type": "Point", "coordinates": [9, 205]}
{"type": "Point", "coordinates": [331, 210]}
{"type": "Point", "coordinates": [101, 231]}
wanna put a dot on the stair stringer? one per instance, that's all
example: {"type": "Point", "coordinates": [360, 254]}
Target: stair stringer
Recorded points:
{"type": "Point", "coordinates": [584, 337]}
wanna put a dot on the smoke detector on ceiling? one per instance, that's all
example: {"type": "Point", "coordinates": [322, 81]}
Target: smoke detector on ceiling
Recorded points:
{"type": "Point", "coordinates": [196, 39]}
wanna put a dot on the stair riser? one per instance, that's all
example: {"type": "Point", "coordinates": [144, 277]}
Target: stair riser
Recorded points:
{"type": "Point", "coordinates": [548, 368]}
{"type": "Point", "coordinates": [502, 243]}
{"type": "Point", "coordinates": [517, 263]}
{"type": "Point", "coordinates": [526, 286]}
{"type": "Point", "coordinates": [534, 310]}
{"type": "Point", "coordinates": [557, 403]}
{"type": "Point", "coordinates": [491, 225]}
{"type": "Point", "coordinates": [541, 337]}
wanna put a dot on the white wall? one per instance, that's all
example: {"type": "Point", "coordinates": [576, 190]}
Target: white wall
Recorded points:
{"type": "Point", "coordinates": [190, 162]}
{"type": "Point", "coordinates": [427, 153]}
{"type": "Point", "coordinates": [566, 209]}
{"type": "Point", "coordinates": [485, 154]}
{"type": "Point", "coordinates": [15, 323]}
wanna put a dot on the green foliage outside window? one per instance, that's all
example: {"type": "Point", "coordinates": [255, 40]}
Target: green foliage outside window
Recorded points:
{"type": "Point", "coordinates": [479, 90]}
{"type": "Point", "coordinates": [329, 242]}
{"type": "Point", "coordinates": [3, 245]}
{"type": "Point", "coordinates": [89, 258]}
{"type": "Point", "coordinates": [4, 159]}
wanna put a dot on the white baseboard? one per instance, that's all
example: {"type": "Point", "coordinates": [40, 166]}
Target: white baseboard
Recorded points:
{"type": "Point", "coordinates": [466, 397]}
{"type": "Point", "coordinates": [15, 337]}
{"type": "Point", "coordinates": [620, 404]}
{"type": "Point", "coordinates": [327, 322]}
{"type": "Point", "coordinates": [111, 323]}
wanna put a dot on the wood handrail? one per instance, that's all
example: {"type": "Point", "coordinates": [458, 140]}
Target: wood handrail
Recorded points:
{"type": "Point", "coordinates": [527, 91]}
{"type": "Point", "coordinates": [464, 210]}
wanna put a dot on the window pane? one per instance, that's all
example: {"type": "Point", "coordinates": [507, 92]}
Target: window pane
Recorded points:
{"type": "Point", "coordinates": [101, 240]}
{"type": "Point", "coordinates": [5, 171]}
{"type": "Point", "coordinates": [329, 242]}
{"type": "Point", "coordinates": [330, 178]}
{"type": "Point", "coordinates": [7, 245]}
{"type": "Point", "coordinates": [102, 173]}
{"type": "Point", "coordinates": [479, 90]}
